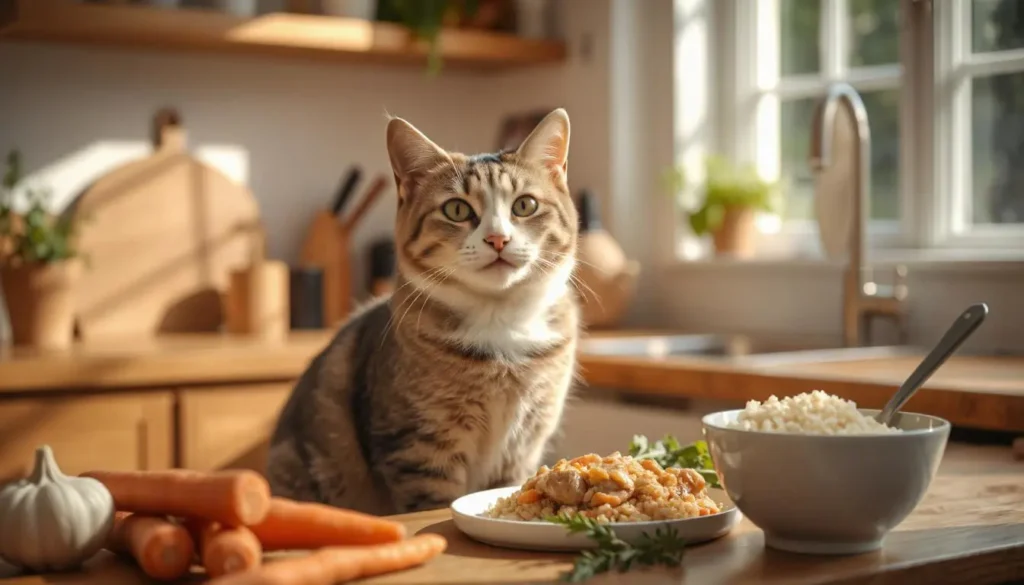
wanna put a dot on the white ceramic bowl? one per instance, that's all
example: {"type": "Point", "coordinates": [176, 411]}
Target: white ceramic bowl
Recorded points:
{"type": "Point", "coordinates": [827, 494]}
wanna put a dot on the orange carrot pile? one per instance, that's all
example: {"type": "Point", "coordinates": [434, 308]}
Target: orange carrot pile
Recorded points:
{"type": "Point", "coordinates": [329, 566]}
{"type": "Point", "coordinates": [233, 498]}
{"type": "Point", "coordinates": [162, 549]}
{"type": "Point", "coordinates": [300, 525]}
{"type": "Point", "coordinates": [224, 550]}
{"type": "Point", "coordinates": [227, 519]}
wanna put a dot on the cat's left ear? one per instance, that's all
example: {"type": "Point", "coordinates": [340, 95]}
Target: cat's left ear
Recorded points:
{"type": "Point", "coordinates": [412, 154]}
{"type": "Point", "coordinates": [548, 144]}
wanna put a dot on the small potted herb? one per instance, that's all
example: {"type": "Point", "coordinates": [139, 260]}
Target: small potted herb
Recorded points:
{"type": "Point", "coordinates": [39, 265]}
{"type": "Point", "coordinates": [731, 197]}
{"type": "Point", "coordinates": [425, 19]}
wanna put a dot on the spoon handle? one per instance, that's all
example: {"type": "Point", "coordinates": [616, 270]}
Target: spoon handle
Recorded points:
{"type": "Point", "coordinates": [961, 329]}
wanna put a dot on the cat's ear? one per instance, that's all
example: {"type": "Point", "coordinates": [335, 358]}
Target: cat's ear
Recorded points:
{"type": "Point", "coordinates": [411, 153]}
{"type": "Point", "coordinates": [548, 144]}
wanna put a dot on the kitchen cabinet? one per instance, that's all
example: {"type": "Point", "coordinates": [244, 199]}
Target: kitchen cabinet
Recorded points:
{"type": "Point", "coordinates": [228, 427]}
{"type": "Point", "coordinates": [121, 431]}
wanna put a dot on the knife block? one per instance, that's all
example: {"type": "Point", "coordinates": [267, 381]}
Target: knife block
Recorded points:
{"type": "Point", "coordinates": [327, 247]}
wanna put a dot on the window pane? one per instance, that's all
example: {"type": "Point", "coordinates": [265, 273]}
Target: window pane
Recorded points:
{"type": "Point", "coordinates": [998, 25]}
{"type": "Point", "coordinates": [874, 32]}
{"type": "Point", "coordinates": [798, 36]}
{"type": "Point", "coordinates": [997, 117]}
{"type": "Point", "coordinates": [883, 118]}
{"type": "Point", "coordinates": [796, 143]}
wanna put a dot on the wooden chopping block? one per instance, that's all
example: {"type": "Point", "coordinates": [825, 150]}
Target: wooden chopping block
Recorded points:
{"type": "Point", "coordinates": [161, 236]}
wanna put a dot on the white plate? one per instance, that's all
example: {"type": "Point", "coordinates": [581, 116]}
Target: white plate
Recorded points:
{"type": "Point", "coordinates": [467, 512]}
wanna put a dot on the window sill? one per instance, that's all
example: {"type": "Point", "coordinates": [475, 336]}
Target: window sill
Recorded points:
{"type": "Point", "coordinates": [933, 260]}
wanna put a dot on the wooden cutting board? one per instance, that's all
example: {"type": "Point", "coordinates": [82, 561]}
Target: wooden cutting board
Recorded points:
{"type": "Point", "coordinates": [161, 235]}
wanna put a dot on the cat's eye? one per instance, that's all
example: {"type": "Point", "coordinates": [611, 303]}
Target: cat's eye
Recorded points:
{"type": "Point", "coordinates": [524, 206]}
{"type": "Point", "coordinates": [457, 210]}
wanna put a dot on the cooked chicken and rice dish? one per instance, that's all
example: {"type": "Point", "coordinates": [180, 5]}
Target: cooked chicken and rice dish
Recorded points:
{"type": "Point", "coordinates": [615, 488]}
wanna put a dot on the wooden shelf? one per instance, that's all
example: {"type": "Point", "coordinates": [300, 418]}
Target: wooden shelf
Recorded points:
{"type": "Point", "coordinates": [283, 34]}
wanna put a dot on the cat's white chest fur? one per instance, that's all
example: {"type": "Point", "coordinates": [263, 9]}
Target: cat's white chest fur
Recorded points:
{"type": "Point", "coordinates": [514, 327]}
{"type": "Point", "coordinates": [507, 334]}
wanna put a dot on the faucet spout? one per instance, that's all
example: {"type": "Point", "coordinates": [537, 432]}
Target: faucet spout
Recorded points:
{"type": "Point", "coordinates": [862, 297]}
{"type": "Point", "coordinates": [824, 124]}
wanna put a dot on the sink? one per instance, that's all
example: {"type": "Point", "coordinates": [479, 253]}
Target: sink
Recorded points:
{"type": "Point", "coordinates": [733, 347]}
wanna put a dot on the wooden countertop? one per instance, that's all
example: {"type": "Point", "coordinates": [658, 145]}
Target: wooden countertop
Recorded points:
{"type": "Point", "coordinates": [167, 361]}
{"type": "Point", "coordinates": [969, 529]}
{"type": "Point", "coordinates": [981, 392]}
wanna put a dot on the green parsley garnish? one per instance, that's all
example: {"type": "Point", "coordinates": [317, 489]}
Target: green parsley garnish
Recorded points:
{"type": "Point", "coordinates": [665, 547]}
{"type": "Point", "coordinates": [669, 453]}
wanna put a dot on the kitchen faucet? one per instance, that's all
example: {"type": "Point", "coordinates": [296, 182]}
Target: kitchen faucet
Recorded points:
{"type": "Point", "coordinates": [863, 298]}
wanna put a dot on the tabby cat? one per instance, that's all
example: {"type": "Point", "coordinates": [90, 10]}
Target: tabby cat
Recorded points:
{"type": "Point", "coordinates": [457, 381]}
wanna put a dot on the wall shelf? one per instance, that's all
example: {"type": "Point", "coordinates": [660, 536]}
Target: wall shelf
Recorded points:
{"type": "Point", "coordinates": [279, 34]}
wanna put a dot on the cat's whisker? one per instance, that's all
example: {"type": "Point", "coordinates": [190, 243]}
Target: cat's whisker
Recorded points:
{"type": "Point", "coordinates": [422, 292]}
{"type": "Point", "coordinates": [424, 304]}
{"type": "Point", "coordinates": [580, 286]}
{"type": "Point", "coordinates": [428, 275]}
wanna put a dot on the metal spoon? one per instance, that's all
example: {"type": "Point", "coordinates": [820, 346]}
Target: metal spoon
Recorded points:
{"type": "Point", "coordinates": [961, 329]}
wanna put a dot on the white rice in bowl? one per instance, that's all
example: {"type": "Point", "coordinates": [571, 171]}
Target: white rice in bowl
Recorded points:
{"type": "Point", "coordinates": [810, 413]}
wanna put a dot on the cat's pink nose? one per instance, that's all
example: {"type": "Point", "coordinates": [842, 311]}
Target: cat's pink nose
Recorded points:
{"type": "Point", "coordinates": [497, 241]}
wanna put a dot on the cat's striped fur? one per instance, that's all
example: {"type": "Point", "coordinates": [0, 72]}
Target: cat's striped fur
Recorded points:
{"type": "Point", "coordinates": [457, 381]}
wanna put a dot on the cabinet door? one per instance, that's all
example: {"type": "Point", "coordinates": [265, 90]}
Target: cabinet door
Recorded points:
{"type": "Point", "coordinates": [130, 431]}
{"type": "Point", "coordinates": [228, 427]}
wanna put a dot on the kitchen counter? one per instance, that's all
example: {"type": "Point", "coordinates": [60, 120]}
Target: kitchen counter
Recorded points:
{"type": "Point", "coordinates": [167, 361]}
{"type": "Point", "coordinates": [981, 392]}
{"type": "Point", "coordinates": [969, 529]}
{"type": "Point", "coordinates": [974, 391]}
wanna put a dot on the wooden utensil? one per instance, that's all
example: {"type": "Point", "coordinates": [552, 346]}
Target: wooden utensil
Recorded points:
{"type": "Point", "coordinates": [161, 235]}
{"type": "Point", "coordinates": [258, 296]}
{"type": "Point", "coordinates": [327, 247]}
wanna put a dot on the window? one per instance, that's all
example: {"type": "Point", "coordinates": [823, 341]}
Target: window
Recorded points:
{"type": "Point", "coordinates": [979, 64]}
{"type": "Point", "coordinates": [943, 84]}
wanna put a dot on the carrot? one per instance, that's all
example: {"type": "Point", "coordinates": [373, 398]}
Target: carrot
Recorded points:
{"type": "Point", "coordinates": [233, 498]}
{"type": "Point", "coordinates": [225, 549]}
{"type": "Point", "coordinates": [329, 566]}
{"type": "Point", "coordinates": [162, 549]}
{"type": "Point", "coordinates": [302, 525]}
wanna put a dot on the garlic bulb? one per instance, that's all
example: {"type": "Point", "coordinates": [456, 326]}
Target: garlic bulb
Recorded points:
{"type": "Point", "coordinates": [53, 522]}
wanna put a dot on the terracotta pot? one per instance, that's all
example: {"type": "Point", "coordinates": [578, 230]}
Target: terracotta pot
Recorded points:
{"type": "Point", "coordinates": [40, 302]}
{"type": "Point", "coordinates": [735, 237]}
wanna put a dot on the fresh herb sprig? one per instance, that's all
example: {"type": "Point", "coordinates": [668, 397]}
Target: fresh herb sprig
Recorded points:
{"type": "Point", "coordinates": [664, 547]}
{"type": "Point", "coordinates": [668, 452]}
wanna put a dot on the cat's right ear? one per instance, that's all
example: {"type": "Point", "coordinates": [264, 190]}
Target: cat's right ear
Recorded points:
{"type": "Point", "coordinates": [411, 154]}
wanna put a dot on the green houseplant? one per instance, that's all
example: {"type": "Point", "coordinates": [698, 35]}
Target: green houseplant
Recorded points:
{"type": "Point", "coordinates": [39, 264]}
{"type": "Point", "coordinates": [730, 197]}
{"type": "Point", "coordinates": [426, 19]}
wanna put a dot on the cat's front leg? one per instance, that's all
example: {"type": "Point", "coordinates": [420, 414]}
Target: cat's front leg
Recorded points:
{"type": "Point", "coordinates": [516, 470]}
{"type": "Point", "coordinates": [423, 478]}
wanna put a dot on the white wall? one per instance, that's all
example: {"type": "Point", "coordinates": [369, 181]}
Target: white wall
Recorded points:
{"type": "Point", "coordinates": [290, 128]}
{"type": "Point", "coordinates": [287, 128]}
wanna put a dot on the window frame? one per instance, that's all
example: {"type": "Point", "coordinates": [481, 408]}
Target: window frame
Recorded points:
{"type": "Point", "coordinates": [934, 76]}
{"type": "Point", "coordinates": [955, 66]}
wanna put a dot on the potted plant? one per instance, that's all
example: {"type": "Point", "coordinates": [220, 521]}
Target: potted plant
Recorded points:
{"type": "Point", "coordinates": [426, 18]}
{"type": "Point", "coordinates": [39, 265]}
{"type": "Point", "coordinates": [731, 197]}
